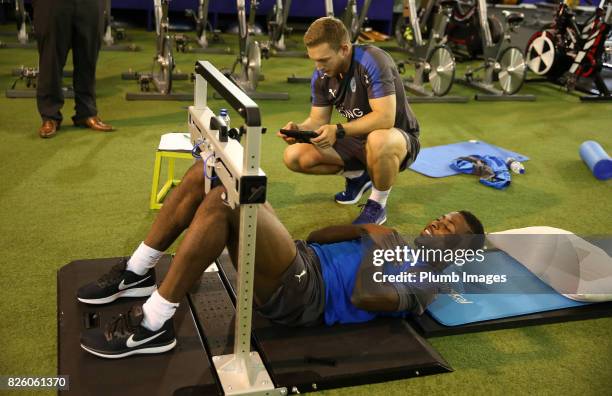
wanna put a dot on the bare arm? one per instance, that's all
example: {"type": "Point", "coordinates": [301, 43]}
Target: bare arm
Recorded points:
{"type": "Point", "coordinates": [347, 232]}
{"type": "Point", "coordinates": [368, 294]}
{"type": "Point", "coordinates": [381, 117]}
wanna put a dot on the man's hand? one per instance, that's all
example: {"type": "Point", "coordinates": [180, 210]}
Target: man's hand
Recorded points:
{"type": "Point", "coordinates": [327, 136]}
{"type": "Point", "coordinates": [292, 126]}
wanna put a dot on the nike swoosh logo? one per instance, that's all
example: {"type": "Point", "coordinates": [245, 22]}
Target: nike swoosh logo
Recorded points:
{"type": "Point", "coordinates": [133, 344]}
{"type": "Point", "coordinates": [123, 285]}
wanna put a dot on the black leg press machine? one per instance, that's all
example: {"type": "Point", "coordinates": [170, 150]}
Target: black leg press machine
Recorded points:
{"type": "Point", "coordinates": [224, 348]}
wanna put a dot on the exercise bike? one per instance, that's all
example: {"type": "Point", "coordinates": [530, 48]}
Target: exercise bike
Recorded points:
{"type": "Point", "coordinates": [574, 55]}
{"type": "Point", "coordinates": [25, 84]}
{"type": "Point", "coordinates": [200, 18]}
{"type": "Point", "coordinates": [433, 60]}
{"type": "Point", "coordinates": [157, 85]}
{"type": "Point", "coordinates": [353, 20]}
{"type": "Point", "coordinates": [278, 30]}
{"type": "Point", "coordinates": [113, 34]}
{"type": "Point", "coordinates": [504, 68]}
{"type": "Point", "coordinates": [293, 79]}
{"type": "Point", "coordinates": [23, 32]}
{"type": "Point", "coordinates": [248, 61]}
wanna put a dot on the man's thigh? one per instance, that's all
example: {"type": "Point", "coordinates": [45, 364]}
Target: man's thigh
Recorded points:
{"type": "Point", "coordinates": [274, 250]}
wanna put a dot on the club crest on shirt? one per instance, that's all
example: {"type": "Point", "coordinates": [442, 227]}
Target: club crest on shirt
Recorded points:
{"type": "Point", "coordinates": [353, 84]}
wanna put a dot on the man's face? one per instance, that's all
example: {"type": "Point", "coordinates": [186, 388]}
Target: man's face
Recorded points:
{"type": "Point", "coordinates": [327, 60]}
{"type": "Point", "coordinates": [450, 223]}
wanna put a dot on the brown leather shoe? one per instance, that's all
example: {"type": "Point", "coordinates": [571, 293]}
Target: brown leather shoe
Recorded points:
{"type": "Point", "coordinates": [94, 123]}
{"type": "Point", "coordinates": [49, 128]}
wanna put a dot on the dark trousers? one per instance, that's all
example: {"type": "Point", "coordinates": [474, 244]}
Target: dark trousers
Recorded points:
{"type": "Point", "coordinates": [61, 25]}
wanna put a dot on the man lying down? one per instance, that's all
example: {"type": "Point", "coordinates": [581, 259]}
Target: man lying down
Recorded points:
{"type": "Point", "coordinates": [325, 279]}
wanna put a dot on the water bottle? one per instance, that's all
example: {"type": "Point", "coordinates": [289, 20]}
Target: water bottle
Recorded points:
{"type": "Point", "coordinates": [225, 117]}
{"type": "Point", "coordinates": [515, 166]}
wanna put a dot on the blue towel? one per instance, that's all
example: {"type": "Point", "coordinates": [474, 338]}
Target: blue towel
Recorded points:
{"type": "Point", "coordinates": [435, 161]}
{"type": "Point", "coordinates": [492, 170]}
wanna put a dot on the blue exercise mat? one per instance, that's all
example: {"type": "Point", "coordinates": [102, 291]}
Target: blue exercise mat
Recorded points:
{"type": "Point", "coordinates": [487, 304]}
{"type": "Point", "coordinates": [435, 161]}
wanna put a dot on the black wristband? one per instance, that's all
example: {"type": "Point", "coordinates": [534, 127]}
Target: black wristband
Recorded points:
{"type": "Point", "coordinates": [340, 132]}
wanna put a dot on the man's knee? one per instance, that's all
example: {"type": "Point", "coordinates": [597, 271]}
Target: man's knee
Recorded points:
{"type": "Point", "coordinates": [386, 143]}
{"type": "Point", "coordinates": [194, 175]}
{"type": "Point", "coordinates": [298, 159]}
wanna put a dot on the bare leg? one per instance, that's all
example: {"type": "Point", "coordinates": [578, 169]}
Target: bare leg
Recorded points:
{"type": "Point", "coordinates": [178, 210]}
{"type": "Point", "coordinates": [214, 226]}
{"type": "Point", "coordinates": [306, 158]}
{"type": "Point", "coordinates": [385, 150]}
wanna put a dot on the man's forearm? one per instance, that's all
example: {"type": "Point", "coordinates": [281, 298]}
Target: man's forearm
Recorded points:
{"type": "Point", "coordinates": [310, 125]}
{"type": "Point", "coordinates": [334, 234]}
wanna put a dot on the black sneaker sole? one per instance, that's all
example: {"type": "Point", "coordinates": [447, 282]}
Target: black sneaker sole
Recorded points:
{"type": "Point", "coordinates": [147, 350]}
{"type": "Point", "coordinates": [134, 292]}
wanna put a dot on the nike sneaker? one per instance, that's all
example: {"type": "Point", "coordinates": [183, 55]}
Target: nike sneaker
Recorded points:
{"type": "Point", "coordinates": [354, 189]}
{"type": "Point", "coordinates": [124, 336]}
{"type": "Point", "coordinates": [117, 283]}
{"type": "Point", "coordinates": [371, 213]}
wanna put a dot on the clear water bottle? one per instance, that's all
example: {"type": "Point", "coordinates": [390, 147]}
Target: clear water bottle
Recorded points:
{"type": "Point", "coordinates": [223, 113]}
{"type": "Point", "coordinates": [515, 166]}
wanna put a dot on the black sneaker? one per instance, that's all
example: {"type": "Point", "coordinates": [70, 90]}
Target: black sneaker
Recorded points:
{"type": "Point", "coordinates": [119, 282]}
{"type": "Point", "coordinates": [124, 336]}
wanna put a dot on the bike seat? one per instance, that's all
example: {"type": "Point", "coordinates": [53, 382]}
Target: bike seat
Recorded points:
{"type": "Point", "coordinates": [513, 17]}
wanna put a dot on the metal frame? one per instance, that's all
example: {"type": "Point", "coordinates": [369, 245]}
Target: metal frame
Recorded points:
{"type": "Point", "coordinates": [353, 20]}
{"type": "Point", "coordinates": [492, 53]}
{"type": "Point", "coordinates": [201, 20]}
{"type": "Point", "coordinates": [23, 38]}
{"type": "Point", "coordinates": [162, 73]}
{"type": "Point", "coordinates": [277, 30]}
{"type": "Point", "coordinates": [249, 57]}
{"type": "Point", "coordinates": [293, 79]}
{"type": "Point", "coordinates": [423, 53]}
{"type": "Point", "coordinates": [108, 39]}
{"type": "Point", "coordinates": [245, 183]}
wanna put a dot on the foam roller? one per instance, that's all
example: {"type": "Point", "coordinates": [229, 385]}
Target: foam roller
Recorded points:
{"type": "Point", "coordinates": [598, 161]}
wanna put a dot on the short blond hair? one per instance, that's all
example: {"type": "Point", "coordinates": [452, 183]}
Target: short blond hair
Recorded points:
{"type": "Point", "coordinates": [328, 30]}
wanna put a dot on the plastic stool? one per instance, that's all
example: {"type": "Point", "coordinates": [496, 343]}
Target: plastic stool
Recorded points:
{"type": "Point", "coordinates": [171, 147]}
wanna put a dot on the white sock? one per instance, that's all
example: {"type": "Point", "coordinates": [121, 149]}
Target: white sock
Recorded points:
{"type": "Point", "coordinates": [352, 174]}
{"type": "Point", "coordinates": [143, 259]}
{"type": "Point", "coordinates": [380, 196]}
{"type": "Point", "coordinates": [157, 310]}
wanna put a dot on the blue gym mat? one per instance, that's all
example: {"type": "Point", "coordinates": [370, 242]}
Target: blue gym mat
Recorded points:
{"type": "Point", "coordinates": [435, 161]}
{"type": "Point", "coordinates": [478, 305]}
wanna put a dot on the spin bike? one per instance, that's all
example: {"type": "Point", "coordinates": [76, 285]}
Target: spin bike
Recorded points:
{"type": "Point", "coordinates": [201, 22]}
{"type": "Point", "coordinates": [433, 60]}
{"type": "Point", "coordinates": [25, 84]}
{"type": "Point", "coordinates": [278, 30]}
{"type": "Point", "coordinates": [574, 55]}
{"type": "Point", "coordinates": [248, 61]}
{"type": "Point", "coordinates": [157, 85]}
{"type": "Point", "coordinates": [293, 79]}
{"type": "Point", "coordinates": [113, 34]}
{"type": "Point", "coordinates": [353, 20]}
{"type": "Point", "coordinates": [23, 20]}
{"type": "Point", "coordinates": [503, 65]}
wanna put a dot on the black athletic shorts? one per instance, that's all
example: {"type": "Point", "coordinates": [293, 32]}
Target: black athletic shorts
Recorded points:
{"type": "Point", "coordinates": [353, 152]}
{"type": "Point", "coordinates": [300, 299]}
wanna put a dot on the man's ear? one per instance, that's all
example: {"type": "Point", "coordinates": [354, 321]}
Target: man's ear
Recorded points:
{"type": "Point", "coordinates": [345, 48]}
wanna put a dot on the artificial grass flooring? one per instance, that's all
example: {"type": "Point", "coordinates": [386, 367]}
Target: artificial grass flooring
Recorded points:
{"type": "Point", "coordinates": [85, 194]}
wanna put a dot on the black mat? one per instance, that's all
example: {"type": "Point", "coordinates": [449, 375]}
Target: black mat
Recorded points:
{"type": "Point", "coordinates": [176, 371]}
{"type": "Point", "coordinates": [325, 357]}
{"type": "Point", "coordinates": [429, 327]}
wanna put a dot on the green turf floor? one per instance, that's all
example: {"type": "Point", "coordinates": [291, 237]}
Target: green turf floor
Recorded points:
{"type": "Point", "coordinates": [84, 194]}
